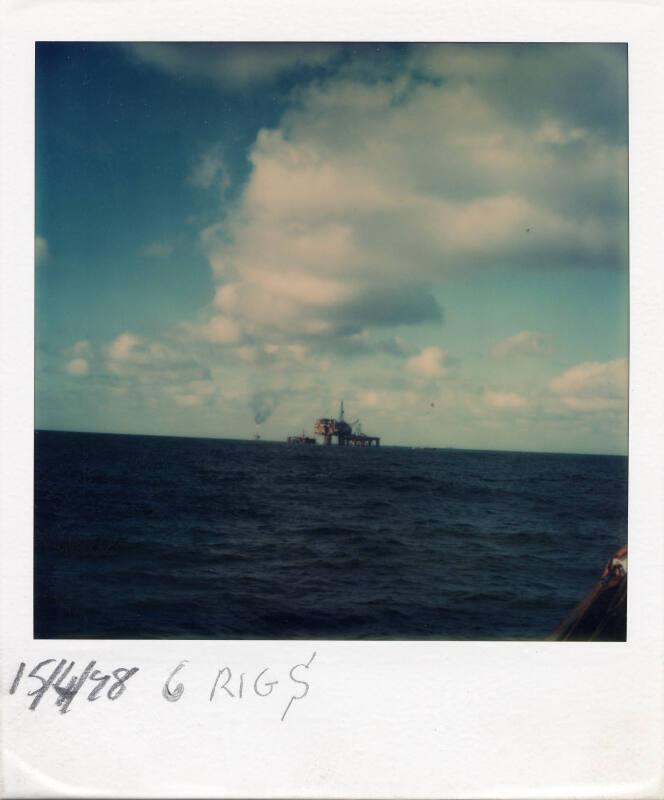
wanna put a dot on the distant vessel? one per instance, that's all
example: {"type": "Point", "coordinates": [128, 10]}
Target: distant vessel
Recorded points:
{"type": "Point", "coordinates": [301, 438]}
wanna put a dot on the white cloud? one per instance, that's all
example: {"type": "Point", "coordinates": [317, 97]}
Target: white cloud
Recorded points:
{"type": "Point", "coordinates": [188, 400]}
{"type": "Point", "coordinates": [429, 363]}
{"type": "Point", "coordinates": [590, 90]}
{"type": "Point", "coordinates": [387, 400]}
{"type": "Point", "coordinates": [120, 349]}
{"type": "Point", "coordinates": [139, 360]}
{"type": "Point", "coordinates": [522, 343]}
{"type": "Point", "coordinates": [219, 329]}
{"type": "Point", "coordinates": [131, 349]}
{"type": "Point", "coordinates": [80, 348]}
{"type": "Point", "coordinates": [79, 356]}
{"type": "Point", "coordinates": [209, 169]}
{"type": "Point", "coordinates": [370, 399]}
{"type": "Point", "coordinates": [592, 378]}
{"type": "Point", "coordinates": [158, 249]}
{"type": "Point", "coordinates": [505, 401]}
{"type": "Point", "coordinates": [364, 187]}
{"type": "Point", "coordinates": [193, 394]}
{"type": "Point", "coordinates": [146, 369]}
{"type": "Point", "coordinates": [41, 250]}
{"type": "Point", "coordinates": [234, 66]}
{"type": "Point", "coordinates": [593, 386]}
{"type": "Point", "coordinates": [592, 403]}
{"type": "Point", "coordinates": [77, 367]}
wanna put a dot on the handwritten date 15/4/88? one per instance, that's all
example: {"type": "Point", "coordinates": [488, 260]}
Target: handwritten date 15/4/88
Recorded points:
{"type": "Point", "coordinates": [65, 686]}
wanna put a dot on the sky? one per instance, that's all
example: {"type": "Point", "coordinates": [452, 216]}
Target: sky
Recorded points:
{"type": "Point", "coordinates": [231, 238]}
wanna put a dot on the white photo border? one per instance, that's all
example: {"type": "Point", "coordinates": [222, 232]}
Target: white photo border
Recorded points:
{"type": "Point", "coordinates": [381, 719]}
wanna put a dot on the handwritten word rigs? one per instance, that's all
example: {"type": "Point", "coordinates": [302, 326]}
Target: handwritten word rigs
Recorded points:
{"type": "Point", "coordinates": [115, 682]}
{"type": "Point", "coordinates": [58, 678]}
{"type": "Point", "coordinates": [262, 684]}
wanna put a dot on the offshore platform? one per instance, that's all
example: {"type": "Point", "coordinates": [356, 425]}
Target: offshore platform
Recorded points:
{"type": "Point", "coordinates": [348, 434]}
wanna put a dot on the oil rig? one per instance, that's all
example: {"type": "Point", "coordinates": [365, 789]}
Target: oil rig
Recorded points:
{"type": "Point", "coordinates": [348, 434]}
{"type": "Point", "coordinates": [301, 438]}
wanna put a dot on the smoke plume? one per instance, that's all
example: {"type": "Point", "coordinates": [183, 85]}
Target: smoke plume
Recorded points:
{"type": "Point", "coordinates": [263, 404]}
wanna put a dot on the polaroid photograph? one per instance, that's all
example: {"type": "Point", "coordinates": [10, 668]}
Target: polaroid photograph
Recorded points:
{"type": "Point", "coordinates": [414, 253]}
{"type": "Point", "coordinates": [332, 401]}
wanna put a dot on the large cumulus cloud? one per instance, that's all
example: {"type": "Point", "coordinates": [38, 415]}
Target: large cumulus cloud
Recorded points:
{"type": "Point", "coordinates": [370, 192]}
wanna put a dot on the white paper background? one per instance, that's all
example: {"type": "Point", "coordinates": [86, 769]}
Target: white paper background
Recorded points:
{"type": "Point", "coordinates": [408, 720]}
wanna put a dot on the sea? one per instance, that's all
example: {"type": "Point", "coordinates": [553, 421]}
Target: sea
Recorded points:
{"type": "Point", "coordinates": [187, 538]}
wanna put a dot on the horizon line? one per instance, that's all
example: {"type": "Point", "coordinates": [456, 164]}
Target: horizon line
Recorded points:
{"type": "Point", "coordinates": [281, 441]}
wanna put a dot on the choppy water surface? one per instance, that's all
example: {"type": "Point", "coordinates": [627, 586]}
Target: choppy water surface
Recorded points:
{"type": "Point", "coordinates": [139, 537]}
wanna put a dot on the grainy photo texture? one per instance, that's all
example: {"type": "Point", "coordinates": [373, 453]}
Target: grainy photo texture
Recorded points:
{"type": "Point", "coordinates": [331, 341]}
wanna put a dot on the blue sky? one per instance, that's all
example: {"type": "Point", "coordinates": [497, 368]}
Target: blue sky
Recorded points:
{"type": "Point", "coordinates": [435, 233]}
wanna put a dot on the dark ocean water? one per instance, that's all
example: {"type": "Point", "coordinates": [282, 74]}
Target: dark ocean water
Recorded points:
{"type": "Point", "coordinates": [139, 537]}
